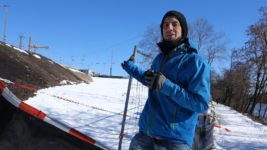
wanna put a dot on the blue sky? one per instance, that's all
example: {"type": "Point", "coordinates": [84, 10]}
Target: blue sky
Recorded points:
{"type": "Point", "coordinates": [83, 33]}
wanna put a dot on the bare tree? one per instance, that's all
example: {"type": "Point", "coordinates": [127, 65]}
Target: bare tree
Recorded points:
{"type": "Point", "coordinates": [241, 82]}
{"type": "Point", "coordinates": [149, 44]}
{"type": "Point", "coordinates": [245, 84]}
{"type": "Point", "coordinates": [254, 55]}
{"type": "Point", "coordinates": [200, 31]}
{"type": "Point", "coordinates": [233, 87]}
{"type": "Point", "coordinates": [210, 43]}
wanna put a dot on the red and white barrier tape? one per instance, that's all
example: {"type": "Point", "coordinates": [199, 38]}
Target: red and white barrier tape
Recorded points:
{"type": "Point", "coordinates": [10, 97]}
{"type": "Point", "coordinates": [19, 85]}
{"type": "Point", "coordinates": [86, 105]}
{"type": "Point", "coordinates": [65, 99]}
{"type": "Point", "coordinates": [121, 136]}
{"type": "Point", "coordinates": [218, 126]}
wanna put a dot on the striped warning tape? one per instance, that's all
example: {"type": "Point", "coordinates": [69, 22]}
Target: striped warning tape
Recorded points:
{"type": "Point", "coordinates": [121, 136]}
{"type": "Point", "coordinates": [218, 126]}
{"type": "Point", "coordinates": [86, 105]}
{"type": "Point", "coordinates": [10, 97]}
{"type": "Point", "coordinates": [19, 85]}
{"type": "Point", "coordinates": [65, 99]}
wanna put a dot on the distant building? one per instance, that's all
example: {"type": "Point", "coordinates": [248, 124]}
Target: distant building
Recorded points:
{"type": "Point", "coordinates": [94, 74]}
{"type": "Point", "coordinates": [88, 71]}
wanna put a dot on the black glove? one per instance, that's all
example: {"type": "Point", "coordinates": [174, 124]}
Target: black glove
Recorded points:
{"type": "Point", "coordinates": [130, 59]}
{"type": "Point", "coordinates": [154, 80]}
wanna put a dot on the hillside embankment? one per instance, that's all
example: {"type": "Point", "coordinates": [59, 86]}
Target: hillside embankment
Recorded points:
{"type": "Point", "coordinates": [20, 130]}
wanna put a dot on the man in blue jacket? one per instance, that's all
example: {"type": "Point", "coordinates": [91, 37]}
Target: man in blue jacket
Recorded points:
{"type": "Point", "coordinates": [179, 89]}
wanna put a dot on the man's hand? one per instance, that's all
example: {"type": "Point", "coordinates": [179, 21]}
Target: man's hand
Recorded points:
{"type": "Point", "coordinates": [154, 80]}
{"type": "Point", "coordinates": [130, 59]}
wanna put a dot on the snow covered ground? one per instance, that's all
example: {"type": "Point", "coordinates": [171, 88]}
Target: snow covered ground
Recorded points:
{"type": "Point", "coordinates": [95, 109]}
{"type": "Point", "coordinates": [245, 134]}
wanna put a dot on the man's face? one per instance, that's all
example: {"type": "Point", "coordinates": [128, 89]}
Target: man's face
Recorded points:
{"type": "Point", "coordinates": [171, 29]}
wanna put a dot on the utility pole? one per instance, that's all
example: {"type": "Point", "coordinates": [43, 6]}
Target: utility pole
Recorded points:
{"type": "Point", "coordinates": [35, 46]}
{"type": "Point", "coordinates": [4, 33]}
{"type": "Point", "coordinates": [30, 44]}
{"type": "Point", "coordinates": [110, 73]}
{"type": "Point", "coordinates": [20, 41]}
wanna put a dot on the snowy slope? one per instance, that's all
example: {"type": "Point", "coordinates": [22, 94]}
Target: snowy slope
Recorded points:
{"type": "Point", "coordinates": [245, 134]}
{"type": "Point", "coordinates": [95, 109]}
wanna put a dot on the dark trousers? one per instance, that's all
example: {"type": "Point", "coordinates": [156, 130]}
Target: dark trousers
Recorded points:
{"type": "Point", "coordinates": [144, 142]}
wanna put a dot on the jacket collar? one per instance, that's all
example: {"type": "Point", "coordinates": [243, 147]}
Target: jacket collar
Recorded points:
{"type": "Point", "coordinates": [188, 46]}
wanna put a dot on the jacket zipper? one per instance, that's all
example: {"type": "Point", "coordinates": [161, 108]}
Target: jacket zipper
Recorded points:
{"type": "Point", "coordinates": [174, 117]}
{"type": "Point", "coordinates": [155, 108]}
{"type": "Point", "coordinates": [176, 107]}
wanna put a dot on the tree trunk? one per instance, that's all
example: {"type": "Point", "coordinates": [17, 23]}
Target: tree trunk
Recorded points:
{"type": "Point", "coordinates": [264, 113]}
{"type": "Point", "coordinates": [242, 102]}
{"type": "Point", "coordinates": [247, 107]}
{"type": "Point", "coordinates": [252, 106]}
{"type": "Point", "coordinates": [259, 111]}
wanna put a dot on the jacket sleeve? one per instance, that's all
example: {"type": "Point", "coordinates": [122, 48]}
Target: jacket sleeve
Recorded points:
{"type": "Point", "coordinates": [196, 95]}
{"type": "Point", "coordinates": [134, 71]}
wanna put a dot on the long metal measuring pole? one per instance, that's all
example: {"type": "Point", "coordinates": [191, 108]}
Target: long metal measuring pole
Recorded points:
{"type": "Point", "coordinates": [126, 103]}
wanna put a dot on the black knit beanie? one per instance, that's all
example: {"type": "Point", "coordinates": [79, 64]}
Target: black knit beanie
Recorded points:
{"type": "Point", "coordinates": [181, 19]}
{"type": "Point", "coordinates": [166, 46]}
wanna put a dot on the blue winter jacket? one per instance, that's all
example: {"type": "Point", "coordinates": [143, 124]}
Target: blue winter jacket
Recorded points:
{"type": "Point", "coordinates": [171, 113]}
